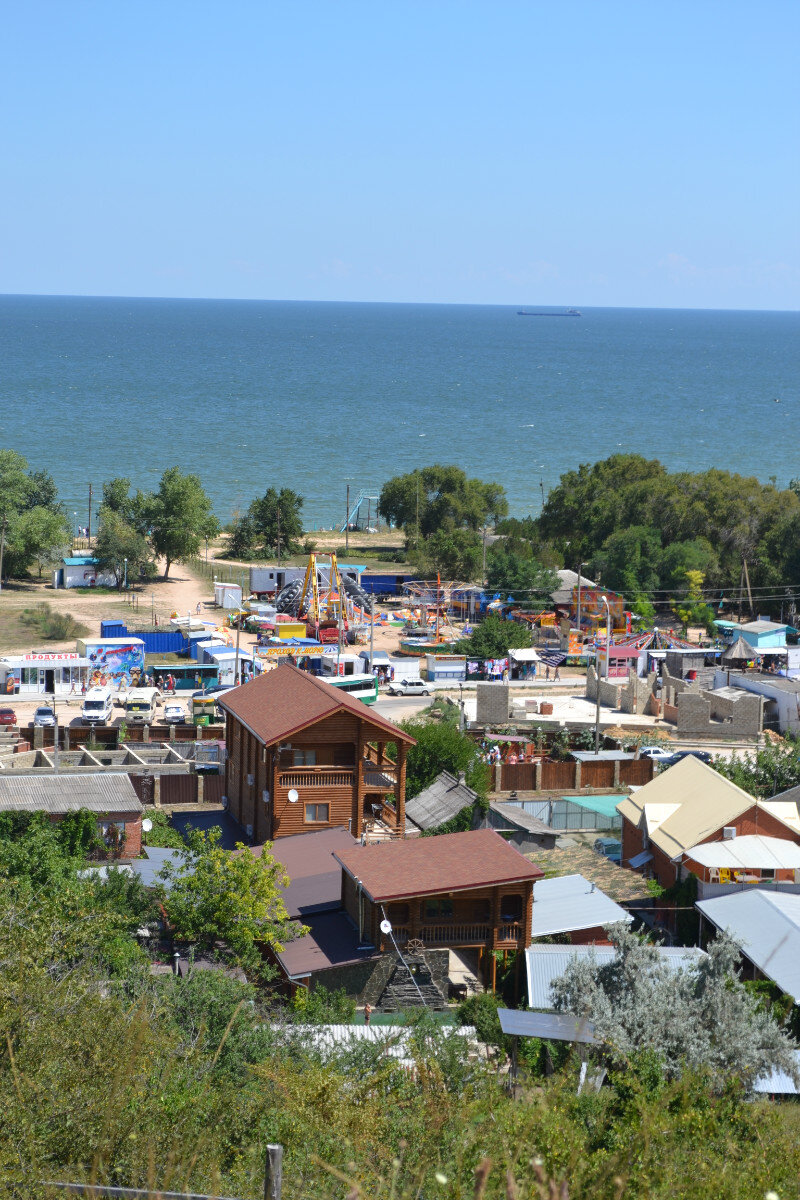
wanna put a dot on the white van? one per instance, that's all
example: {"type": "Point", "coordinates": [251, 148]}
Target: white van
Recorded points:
{"type": "Point", "coordinates": [140, 705]}
{"type": "Point", "coordinates": [98, 706]}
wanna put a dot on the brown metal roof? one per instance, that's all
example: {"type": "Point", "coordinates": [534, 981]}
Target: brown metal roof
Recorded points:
{"type": "Point", "coordinates": [283, 701]}
{"type": "Point", "coordinates": [452, 862]}
{"type": "Point", "coordinates": [315, 876]}
{"type": "Point", "coordinates": [331, 941]}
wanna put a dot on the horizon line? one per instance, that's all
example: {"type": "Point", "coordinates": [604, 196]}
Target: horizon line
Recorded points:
{"type": "Point", "coordinates": [398, 303]}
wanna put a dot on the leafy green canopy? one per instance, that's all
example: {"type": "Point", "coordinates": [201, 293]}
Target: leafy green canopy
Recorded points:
{"type": "Point", "coordinates": [513, 571]}
{"type": "Point", "coordinates": [639, 526]}
{"type": "Point", "coordinates": [36, 527]}
{"type": "Point", "coordinates": [493, 638]}
{"type": "Point", "coordinates": [768, 772]}
{"type": "Point", "coordinates": [440, 498]}
{"type": "Point", "coordinates": [441, 746]}
{"type": "Point", "coordinates": [237, 899]}
{"type": "Point", "coordinates": [272, 524]}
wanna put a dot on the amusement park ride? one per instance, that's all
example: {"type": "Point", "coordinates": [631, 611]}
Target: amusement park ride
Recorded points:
{"type": "Point", "coordinates": [325, 599]}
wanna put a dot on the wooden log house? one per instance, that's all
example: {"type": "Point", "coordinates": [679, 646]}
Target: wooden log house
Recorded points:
{"type": "Point", "coordinates": [304, 756]}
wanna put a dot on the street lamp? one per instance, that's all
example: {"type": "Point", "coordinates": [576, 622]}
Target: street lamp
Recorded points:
{"type": "Point", "coordinates": [125, 584]}
{"type": "Point", "coordinates": [580, 565]}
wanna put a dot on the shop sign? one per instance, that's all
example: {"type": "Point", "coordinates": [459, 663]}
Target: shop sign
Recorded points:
{"type": "Point", "coordinates": [50, 657]}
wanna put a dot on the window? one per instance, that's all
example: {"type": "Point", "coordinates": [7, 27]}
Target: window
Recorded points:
{"type": "Point", "coordinates": [510, 908]}
{"type": "Point", "coordinates": [304, 758]}
{"type": "Point", "coordinates": [767, 872]}
{"type": "Point", "coordinates": [317, 813]}
{"type": "Point", "coordinates": [437, 908]}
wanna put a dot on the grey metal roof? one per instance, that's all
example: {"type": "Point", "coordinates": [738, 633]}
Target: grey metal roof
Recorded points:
{"type": "Point", "coordinates": [571, 902]}
{"type": "Point", "coordinates": [101, 792]}
{"type": "Point", "coordinates": [544, 964]}
{"type": "Point", "coordinates": [763, 627]}
{"type": "Point", "coordinates": [567, 581]}
{"type": "Point", "coordinates": [556, 1027]}
{"type": "Point", "coordinates": [765, 925]}
{"type": "Point", "coordinates": [438, 803]}
{"type": "Point", "coordinates": [148, 868]}
{"type": "Point", "coordinates": [778, 1083]}
{"type": "Point", "coordinates": [583, 756]}
{"type": "Point", "coordinates": [393, 1041]}
{"type": "Point", "coordinates": [517, 817]}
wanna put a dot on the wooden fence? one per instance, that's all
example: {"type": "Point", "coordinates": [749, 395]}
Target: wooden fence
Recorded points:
{"type": "Point", "coordinates": [573, 776]}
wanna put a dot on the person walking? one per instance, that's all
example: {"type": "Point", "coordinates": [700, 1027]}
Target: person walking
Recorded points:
{"type": "Point", "coordinates": [557, 676]}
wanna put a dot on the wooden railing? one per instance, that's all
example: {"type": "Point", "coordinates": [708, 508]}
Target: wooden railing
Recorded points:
{"type": "Point", "coordinates": [458, 933]}
{"type": "Point", "coordinates": [316, 777]}
{"type": "Point", "coordinates": [379, 777]}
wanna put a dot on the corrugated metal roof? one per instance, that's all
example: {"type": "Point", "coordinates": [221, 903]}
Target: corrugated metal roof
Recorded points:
{"type": "Point", "coordinates": [639, 860]}
{"type": "Point", "coordinates": [778, 1083]}
{"type": "Point", "coordinates": [556, 1027]}
{"type": "Point", "coordinates": [750, 850]}
{"type": "Point", "coordinates": [544, 964]}
{"type": "Point", "coordinates": [766, 927]}
{"type": "Point", "coordinates": [516, 815]}
{"type": "Point", "coordinates": [103, 792]}
{"type": "Point", "coordinates": [444, 799]}
{"type": "Point", "coordinates": [82, 560]}
{"type": "Point", "coordinates": [569, 903]}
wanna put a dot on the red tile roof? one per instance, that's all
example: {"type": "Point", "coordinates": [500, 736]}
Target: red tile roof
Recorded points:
{"type": "Point", "coordinates": [452, 862]}
{"type": "Point", "coordinates": [285, 700]}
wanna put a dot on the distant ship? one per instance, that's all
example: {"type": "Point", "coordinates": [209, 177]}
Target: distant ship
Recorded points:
{"type": "Point", "coordinates": [569, 312]}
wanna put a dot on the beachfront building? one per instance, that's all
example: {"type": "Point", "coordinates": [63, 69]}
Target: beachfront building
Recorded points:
{"type": "Point", "coordinates": [304, 756]}
{"type": "Point", "coordinates": [80, 571]}
{"type": "Point", "coordinates": [43, 673]}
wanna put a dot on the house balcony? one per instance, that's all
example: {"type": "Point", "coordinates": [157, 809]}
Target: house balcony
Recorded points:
{"type": "Point", "coordinates": [374, 778]}
{"type": "Point", "coordinates": [458, 933]}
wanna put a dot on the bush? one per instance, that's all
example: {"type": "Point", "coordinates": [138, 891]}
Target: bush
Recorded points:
{"type": "Point", "coordinates": [52, 626]}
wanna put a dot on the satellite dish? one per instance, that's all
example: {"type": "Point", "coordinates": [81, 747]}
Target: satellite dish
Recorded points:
{"type": "Point", "coordinates": [294, 796]}
{"type": "Point", "coordinates": [147, 825]}
{"type": "Point", "coordinates": [386, 926]}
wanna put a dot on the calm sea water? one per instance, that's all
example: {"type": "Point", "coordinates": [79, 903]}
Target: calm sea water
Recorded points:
{"type": "Point", "coordinates": [314, 396]}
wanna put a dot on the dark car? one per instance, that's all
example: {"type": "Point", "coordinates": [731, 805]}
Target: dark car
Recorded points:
{"type": "Point", "coordinates": [8, 716]}
{"type": "Point", "coordinates": [679, 756]}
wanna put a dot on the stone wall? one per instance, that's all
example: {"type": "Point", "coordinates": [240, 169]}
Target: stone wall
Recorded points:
{"type": "Point", "coordinates": [637, 694]}
{"type": "Point", "coordinates": [706, 714]}
{"type": "Point", "coordinates": [493, 703]}
{"type": "Point", "coordinates": [366, 981]}
{"type": "Point", "coordinates": [609, 691]}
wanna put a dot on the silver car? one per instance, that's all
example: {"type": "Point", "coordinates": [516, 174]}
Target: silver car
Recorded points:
{"type": "Point", "coordinates": [44, 718]}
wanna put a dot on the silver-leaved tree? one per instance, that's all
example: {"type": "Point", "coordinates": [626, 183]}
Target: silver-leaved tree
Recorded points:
{"type": "Point", "coordinates": [699, 1018]}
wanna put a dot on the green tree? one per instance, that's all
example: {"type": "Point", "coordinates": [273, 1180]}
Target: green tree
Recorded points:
{"type": "Point", "coordinates": [693, 610]}
{"type": "Point", "coordinates": [629, 561]}
{"type": "Point", "coordinates": [519, 574]}
{"type": "Point", "coordinates": [179, 516]}
{"type": "Point", "coordinates": [493, 638]}
{"type": "Point", "coordinates": [768, 772]}
{"type": "Point", "coordinates": [43, 536]}
{"type": "Point", "coordinates": [441, 746]}
{"type": "Point", "coordinates": [271, 524]}
{"type": "Point", "coordinates": [35, 528]}
{"type": "Point", "coordinates": [237, 899]}
{"type": "Point", "coordinates": [117, 540]}
{"type": "Point", "coordinates": [43, 493]}
{"type": "Point", "coordinates": [451, 553]}
{"type": "Point", "coordinates": [439, 497]}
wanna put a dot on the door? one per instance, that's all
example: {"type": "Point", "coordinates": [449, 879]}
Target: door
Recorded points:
{"type": "Point", "coordinates": [50, 682]}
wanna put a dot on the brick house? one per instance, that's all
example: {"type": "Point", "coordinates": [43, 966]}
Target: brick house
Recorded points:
{"type": "Point", "coordinates": [460, 890]}
{"type": "Point", "coordinates": [689, 805]}
{"type": "Point", "coordinates": [304, 756]}
{"type": "Point", "coordinates": [109, 795]}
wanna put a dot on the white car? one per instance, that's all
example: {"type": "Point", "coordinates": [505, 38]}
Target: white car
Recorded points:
{"type": "Point", "coordinates": [657, 753]}
{"type": "Point", "coordinates": [174, 713]}
{"type": "Point", "coordinates": [409, 687]}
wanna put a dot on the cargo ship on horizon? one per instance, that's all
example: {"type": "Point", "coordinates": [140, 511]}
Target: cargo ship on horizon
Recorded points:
{"type": "Point", "coordinates": [568, 312]}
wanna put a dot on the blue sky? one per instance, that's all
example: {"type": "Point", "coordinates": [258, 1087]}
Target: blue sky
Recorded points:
{"type": "Point", "coordinates": [588, 152]}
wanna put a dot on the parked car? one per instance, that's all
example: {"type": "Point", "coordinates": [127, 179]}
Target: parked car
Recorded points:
{"type": "Point", "coordinates": [657, 753]}
{"type": "Point", "coordinates": [44, 717]}
{"type": "Point", "coordinates": [679, 755]}
{"type": "Point", "coordinates": [8, 716]}
{"type": "Point", "coordinates": [174, 713]}
{"type": "Point", "coordinates": [409, 687]}
{"type": "Point", "coordinates": [610, 848]}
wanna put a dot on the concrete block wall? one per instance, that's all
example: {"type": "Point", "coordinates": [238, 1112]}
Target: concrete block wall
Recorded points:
{"type": "Point", "coordinates": [609, 692]}
{"type": "Point", "coordinates": [636, 695]}
{"type": "Point", "coordinates": [493, 703]}
{"type": "Point", "coordinates": [702, 714]}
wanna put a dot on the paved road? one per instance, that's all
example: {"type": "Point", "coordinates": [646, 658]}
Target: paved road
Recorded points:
{"type": "Point", "coordinates": [398, 708]}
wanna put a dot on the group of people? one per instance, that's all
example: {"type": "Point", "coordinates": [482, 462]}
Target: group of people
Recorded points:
{"type": "Point", "coordinates": [383, 675]}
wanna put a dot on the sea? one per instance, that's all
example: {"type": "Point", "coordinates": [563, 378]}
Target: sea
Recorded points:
{"type": "Point", "coordinates": [321, 396]}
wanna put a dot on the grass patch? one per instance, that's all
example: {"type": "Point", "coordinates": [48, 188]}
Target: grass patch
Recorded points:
{"type": "Point", "coordinates": [50, 625]}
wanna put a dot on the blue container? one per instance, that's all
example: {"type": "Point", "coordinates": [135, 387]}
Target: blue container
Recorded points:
{"type": "Point", "coordinates": [115, 629]}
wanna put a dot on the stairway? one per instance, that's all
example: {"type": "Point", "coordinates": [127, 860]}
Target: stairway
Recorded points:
{"type": "Point", "coordinates": [404, 992]}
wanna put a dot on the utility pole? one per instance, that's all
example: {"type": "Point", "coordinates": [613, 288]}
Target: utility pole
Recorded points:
{"type": "Point", "coordinates": [371, 630]}
{"type": "Point", "coordinates": [347, 522]}
{"type": "Point", "coordinates": [236, 659]}
{"type": "Point", "coordinates": [579, 594]}
{"type": "Point", "coordinates": [483, 569]}
{"type": "Point", "coordinates": [55, 734]}
{"type": "Point", "coordinates": [2, 549]}
{"type": "Point", "coordinates": [89, 527]}
{"type": "Point", "coordinates": [278, 517]}
{"type": "Point", "coordinates": [597, 699]}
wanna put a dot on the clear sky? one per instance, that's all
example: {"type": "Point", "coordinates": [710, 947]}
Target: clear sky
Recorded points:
{"type": "Point", "coordinates": [581, 152]}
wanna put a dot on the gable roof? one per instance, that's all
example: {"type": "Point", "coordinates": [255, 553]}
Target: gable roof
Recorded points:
{"type": "Point", "coordinates": [283, 701]}
{"type": "Point", "coordinates": [452, 862]}
{"type": "Point", "coordinates": [687, 803]}
{"type": "Point", "coordinates": [100, 792]}
{"type": "Point", "coordinates": [315, 878]}
{"type": "Point", "coordinates": [444, 799]}
{"type": "Point", "coordinates": [751, 851]}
